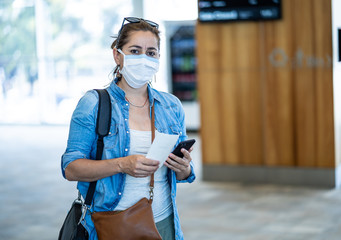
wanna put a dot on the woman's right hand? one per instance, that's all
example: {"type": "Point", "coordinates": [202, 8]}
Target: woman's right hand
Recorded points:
{"type": "Point", "coordinates": [138, 166]}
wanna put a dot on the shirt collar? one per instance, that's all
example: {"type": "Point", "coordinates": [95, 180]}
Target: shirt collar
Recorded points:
{"type": "Point", "coordinates": [119, 94]}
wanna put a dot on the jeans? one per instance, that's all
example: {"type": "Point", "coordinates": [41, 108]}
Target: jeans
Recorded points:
{"type": "Point", "coordinates": [166, 228]}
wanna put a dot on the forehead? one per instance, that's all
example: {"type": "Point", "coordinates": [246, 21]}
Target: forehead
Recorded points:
{"type": "Point", "coordinates": [144, 39]}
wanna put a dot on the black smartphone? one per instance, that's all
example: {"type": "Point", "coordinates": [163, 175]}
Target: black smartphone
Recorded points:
{"type": "Point", "coordinates": [187, 144]}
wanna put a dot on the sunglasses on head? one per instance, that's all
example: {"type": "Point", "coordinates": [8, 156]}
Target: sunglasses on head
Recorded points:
{"type": "Point", "coordinates": [135, 20]}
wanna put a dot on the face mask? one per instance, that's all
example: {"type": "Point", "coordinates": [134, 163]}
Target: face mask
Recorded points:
{"type": "Point", "coordinates": [138, 69]}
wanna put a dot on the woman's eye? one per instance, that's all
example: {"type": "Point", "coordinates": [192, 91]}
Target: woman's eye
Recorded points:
{"type": "Point", "coordinates": [151, 54]}
{"type": "Point", "coordinates": [134, 51]}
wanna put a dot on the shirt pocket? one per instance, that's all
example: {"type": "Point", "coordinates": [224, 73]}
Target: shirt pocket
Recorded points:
{"type": "Point", "coordinates": [105, 194]}
{"type": "Point", "coordinates": [112, 143]}
{"type": "Point", "coordinates": [175, 129]}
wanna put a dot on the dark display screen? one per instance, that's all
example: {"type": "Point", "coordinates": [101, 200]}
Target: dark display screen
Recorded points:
{"type": "Point", "coordinates": [238, 10]}
{"type": "Point", "coordinates": [183, 59]}
{"type": "Point", "coordinates": [339, 43]}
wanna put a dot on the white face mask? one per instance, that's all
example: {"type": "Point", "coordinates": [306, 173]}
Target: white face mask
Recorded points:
{"type": "Point", "coordinates": [138, 69]}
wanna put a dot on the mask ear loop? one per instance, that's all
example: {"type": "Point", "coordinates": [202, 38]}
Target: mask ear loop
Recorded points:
{"type": "Point", "coordinates": [118, 67]}
{"type": "Point", "coordinates": [152, 80]}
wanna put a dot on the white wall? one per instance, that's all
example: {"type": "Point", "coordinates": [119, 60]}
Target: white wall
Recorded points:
{"type": "Point", "coordinates": [165, 12]}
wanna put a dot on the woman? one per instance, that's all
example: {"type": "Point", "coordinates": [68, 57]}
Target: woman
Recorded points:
{"type": "Point", "coordinates": [123, 177]}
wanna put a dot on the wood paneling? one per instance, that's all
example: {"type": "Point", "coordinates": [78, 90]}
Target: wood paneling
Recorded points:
{"type": "Point", "coordinates": [324, 88]}
{"type": "Point", "coordinates": [229, 92]}
{"type": "Point", "coordinates": [208, 86]}
{"type": "Point", "coordinates": [265, 89]}
{"type": "Point", "coordinates": [304, 85]}
{"type": "Point", "coordinates": [279, 127]}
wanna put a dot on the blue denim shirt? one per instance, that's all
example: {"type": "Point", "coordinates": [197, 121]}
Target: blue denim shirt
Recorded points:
{"type": "Point", "coordinates": [169, 118]}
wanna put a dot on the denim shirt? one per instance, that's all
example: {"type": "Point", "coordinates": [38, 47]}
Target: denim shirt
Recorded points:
{"type": "Point", "coordinates": [169, 118]}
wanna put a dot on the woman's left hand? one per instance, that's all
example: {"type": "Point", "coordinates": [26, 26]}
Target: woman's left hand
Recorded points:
{"type": "Point", "coordinates": [181, 166]}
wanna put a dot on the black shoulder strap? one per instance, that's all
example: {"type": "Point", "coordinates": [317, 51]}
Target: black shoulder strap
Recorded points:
{"type": "Point", "coordinates": [104, 113]}
{"type": "Point", "coordinates": [102, 130]}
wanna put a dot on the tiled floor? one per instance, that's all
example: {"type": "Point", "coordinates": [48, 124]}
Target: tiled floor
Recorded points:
{"type": "Point", "coordinates": [34, 198]}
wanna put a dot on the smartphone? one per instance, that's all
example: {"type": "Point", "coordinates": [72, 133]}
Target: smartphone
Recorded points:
{"type": "Point", "coordinates": [187, 144]}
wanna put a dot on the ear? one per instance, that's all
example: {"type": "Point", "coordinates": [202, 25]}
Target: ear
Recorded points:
{"type": "Point", "coordinates": [117, 57]}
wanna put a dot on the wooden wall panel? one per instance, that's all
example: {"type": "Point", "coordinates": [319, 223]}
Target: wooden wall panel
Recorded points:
{"type": "Point", "coordinates": [324, 87]}
{"type": "Point", "coordinates": [304, 85]}
{"type": "Point", "coordinates": [265, 89]}
{"type": "Point", "coordinates": [239, 119]}
{"type": "Point", "coordinates": [278, 82]}
{"type": "Point", "coordinates": [208, 79]}
{"type": "Point", "coordinates": [229, 93]}
{"type": "Point", "coordinates": [249, 93]}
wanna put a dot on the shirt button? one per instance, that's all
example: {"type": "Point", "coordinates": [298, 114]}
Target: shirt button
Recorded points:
{"type": "Point", "coordinates": [109, 132]}
{"type": "Point", "coordinates": [125, 119]}
{"type": "Point", "coordinates": [127, 104]}
{"type": "Point", "coordinates": [120, 193]}
{"type": "Point", "coordinates": [126, 149]}
{"type": "Point", "coordinates": [127, 131]}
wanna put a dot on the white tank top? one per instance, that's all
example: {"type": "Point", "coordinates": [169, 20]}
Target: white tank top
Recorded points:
{"type": "Point", "coordinates": [137, 188]}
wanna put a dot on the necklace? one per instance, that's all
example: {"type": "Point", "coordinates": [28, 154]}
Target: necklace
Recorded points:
{"type": "Point", "coordinates": [144, 104]}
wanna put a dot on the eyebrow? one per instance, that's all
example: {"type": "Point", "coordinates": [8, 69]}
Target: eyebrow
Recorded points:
{"type": "Point", "coordinates": [139, 47]}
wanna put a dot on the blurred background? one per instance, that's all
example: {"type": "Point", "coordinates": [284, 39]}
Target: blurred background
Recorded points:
{"type": "Point", "coordinates": [54, 51]}
{"type": "Point", "coordinates": [259, 81]}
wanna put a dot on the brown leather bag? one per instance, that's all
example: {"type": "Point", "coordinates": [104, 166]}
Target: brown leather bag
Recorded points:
{"type": "Point", "coordinates": [134, 223]}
